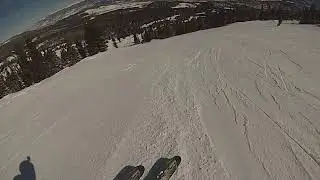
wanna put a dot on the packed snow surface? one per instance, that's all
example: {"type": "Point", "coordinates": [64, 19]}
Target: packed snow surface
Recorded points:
{"type": "Point", "coordinates": [236, 102]}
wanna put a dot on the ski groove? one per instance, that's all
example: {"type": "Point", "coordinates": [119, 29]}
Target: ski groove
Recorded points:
{"type": "Point", "coordinates": [293, 139]}
{"type": "Point", "coordinates": [310, 122]}
{"type": "Point", "coordinates": [283, 130]}
{"type": "Point", "coordinates": [299, 162]}
{"type": "Point", "coordinates": [276, 102]}
{"type": "Point", "coordinates": [231, 107]}
{"type": "Point", "coordinates": [245, 125]}
{"type": "Point", "coordinates": [259, 91]}
{"type": "Point", "coordinates": [290, 59]}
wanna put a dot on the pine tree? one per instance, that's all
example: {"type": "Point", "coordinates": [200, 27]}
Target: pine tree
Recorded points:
{"type": "Point", "coordinates": [4, 90]}
{"type": "Point", "coordinates": [72, 54]}
{"type": "Point", "coordinates": [261, 12]}
{"type": "Point", "coordinates": [313, 11]}
{"type": "Point", "coordinates": [69, 55]}
{"type": "Point", "coordinates": [81, 49]}
{"type": "Point", "coordinates": [90, 37]}
{"type": "Point", "coordinates": [64, 57]}
{"type": "Point", "coordinates": [25, 65]}
{"type": "Point", "coordinates": [37, 66]}
{"type": "Point", "coordinates": [102, 43]}
{"type": "Point", "coordinates": [114, 42]}
{"type": "Point", "coordinates": [13, 81]}
{"type": "Point", "coordinates": [94, 39]}
{"type": "Point", "coordinates": [54, 62]}
{"type": "Point", "coordinates": [146, 36]}
{"type": "Point", "coordinates": [136, 39]}
{"type": "Point", "coordinates": [279, 15]}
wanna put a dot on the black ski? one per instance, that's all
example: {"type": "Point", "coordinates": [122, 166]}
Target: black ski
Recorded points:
{"type": "Point", "coordinates": [163, 169]}
{"type": "Point", "coordinates": [130, 173]}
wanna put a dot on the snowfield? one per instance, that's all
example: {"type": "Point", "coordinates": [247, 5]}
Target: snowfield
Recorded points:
{"type": "Point", "coordinates": [113, 7]}
{"type": "Point", "coordinates": [236, 102]}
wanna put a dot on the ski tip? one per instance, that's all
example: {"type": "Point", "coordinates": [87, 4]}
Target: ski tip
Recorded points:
{"type": "Point", "coordinates": [177, 159]}
{"type": "Point", "coordinates": [141, 168]}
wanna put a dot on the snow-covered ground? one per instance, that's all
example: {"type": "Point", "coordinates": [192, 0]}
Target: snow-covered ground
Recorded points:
{"type": "Point", "coordinates": [236, 102]}
{"type": "Point", "coordinates": [171, 18]}
{"type": "Point", "coordinates": [185, 5]}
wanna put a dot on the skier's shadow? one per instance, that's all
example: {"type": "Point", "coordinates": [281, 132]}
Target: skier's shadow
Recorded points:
{"type": "Point", "coordinates": [27, 171]}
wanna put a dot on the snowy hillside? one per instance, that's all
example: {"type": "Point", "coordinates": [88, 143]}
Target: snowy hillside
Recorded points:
{"type": "Point", "coordinates": [64, 13]}
{"type": "Point", "coordinates": [98, 7]}
{"type": "Point", "coordinates": [236, 102]}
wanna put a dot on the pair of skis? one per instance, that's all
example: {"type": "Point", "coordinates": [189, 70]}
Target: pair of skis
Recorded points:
{"type": "Point", "coordinates": [163, 169]}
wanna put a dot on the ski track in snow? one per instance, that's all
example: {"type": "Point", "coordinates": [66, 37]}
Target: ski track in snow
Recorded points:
{"type": "Point", "coordinates": [237, 102]}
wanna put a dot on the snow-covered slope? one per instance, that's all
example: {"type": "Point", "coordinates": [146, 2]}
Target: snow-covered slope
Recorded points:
{"type": "Point", "coordinates": [64, 13]}
{"type": "Point", "coordinates": [237, 102]}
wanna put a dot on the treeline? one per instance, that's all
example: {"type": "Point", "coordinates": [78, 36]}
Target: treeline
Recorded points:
{"type": "Point", "coordinates": [310, 15]}
{"type": "Point", "coordinates": [211, 18]}
{"type": "Point", "coordinates": [32, 64]}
